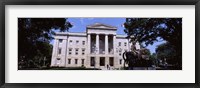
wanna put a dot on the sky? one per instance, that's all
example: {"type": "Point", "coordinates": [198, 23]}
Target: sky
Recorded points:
{"type": "Point", "coordinates": [79, 25]}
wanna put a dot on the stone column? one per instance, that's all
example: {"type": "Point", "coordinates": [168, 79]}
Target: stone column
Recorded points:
{"type": "Point", "coordinates": [88, 50]}
{"type": "Point", "coordinates": [88, 43]}
{"type": "Point", "coordinates": [114, 45]}
{"type": "Point", "coordinates": [106, 44]}
{"type": "Point", "coordinates": [97, 43]}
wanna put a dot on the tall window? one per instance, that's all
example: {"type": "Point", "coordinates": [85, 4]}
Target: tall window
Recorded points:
{"type": "Point", "coordinates": [70, 51]}
{"type": "Point", "coordinates": [76, 52]}
{"type": "Point", "coordinates": [82, 61]}
{"type": "Point", "coordinates": [102, 61]}
{"type": "Point", "coordinates": [119, 43]}
{"type": "Point", "coordinates": [83, 51]}
{"type": "Point", "coordinates": [120, 61]}
{"type": "Point", "coordinates": [92, 61]}
{"type": "Point", "coordinates": [69, 61]}
{"type": "Point", "coordinates": [83, 42]}
{"type": "Point", "coordinates": [111, 61]}
{"type": "Point", "coordinates": [120, 52]}
{"type": "Point", "coordinates": [125, 44]}
{"type": "Point", "coordinates": [76, 61]}
{"type": "Point", "coordinates": [59, 50]}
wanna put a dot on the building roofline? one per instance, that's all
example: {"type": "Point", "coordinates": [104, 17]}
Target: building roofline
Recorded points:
{"type": "Point", "coordinates": [92, 26]}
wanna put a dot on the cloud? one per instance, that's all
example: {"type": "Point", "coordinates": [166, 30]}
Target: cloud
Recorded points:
{"type": "Point", "coordinates": [83, 20]}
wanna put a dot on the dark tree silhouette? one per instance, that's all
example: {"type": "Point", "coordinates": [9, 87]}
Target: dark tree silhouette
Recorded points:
{"type": "Point", "coordinates": [34, 36]}
{"type": "Point", "coordinates": [166, 51]}
{"type": "Point", "coordinates": [150, 30]}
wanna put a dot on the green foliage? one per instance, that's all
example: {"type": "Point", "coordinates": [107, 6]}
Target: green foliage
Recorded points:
{"type": "Point", "coordinates": [153, 56]}
{"type": "Point", "coordinates": [150, 30]}
{"type": "Point", "coordinates": [34, 36]}
{"type": "Point", "coordinates": [166, 51]}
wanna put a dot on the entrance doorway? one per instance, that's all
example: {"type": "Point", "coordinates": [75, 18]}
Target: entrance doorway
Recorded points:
{"type": "Point", "coordinates": [92, 61]}
{"type": "Point", "coordinates": [111, 61]}
{"type": "Point", "coordinates": [102, 61]}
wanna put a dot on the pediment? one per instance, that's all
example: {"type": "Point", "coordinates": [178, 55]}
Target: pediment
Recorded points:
{"type": "Point", "coordinates": [101, 26]}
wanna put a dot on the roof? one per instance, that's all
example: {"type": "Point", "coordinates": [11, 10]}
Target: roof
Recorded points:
{"type": "Point", "coordinates": [71, 33]}
{"type": "Point", "coordinates": [100, 26]}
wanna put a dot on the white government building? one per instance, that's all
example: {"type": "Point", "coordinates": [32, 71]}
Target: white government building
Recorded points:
{"type": "Point", "coordinates": [99, 47]}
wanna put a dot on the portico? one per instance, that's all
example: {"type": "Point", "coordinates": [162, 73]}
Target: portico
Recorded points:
{"type": "Point", "coordinates": [102, 44]}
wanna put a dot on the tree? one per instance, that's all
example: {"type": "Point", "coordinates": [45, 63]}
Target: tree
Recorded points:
{"type": "Point", "coordinates": [150, 30]}
{"type": "Point", "coordinates": [34, 36]}
{"type": "Point", "coordinates": [153, 57]}
{"type": "Point", "coordinates": [166, 51]}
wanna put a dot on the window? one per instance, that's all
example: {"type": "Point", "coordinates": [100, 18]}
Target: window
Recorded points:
{"type": "Point", "coordinates": [120, 54]}
{"type": "Point", "coordinates": [120, 61]}
{"type": "Point", "coordinates": [70, 51]}
{"type": "Point", "coordinates": [83, 43]}
{"type": "Point", "coordinates": [76, 52]}
{"type": "Point", "coordinates": [60, 40]}
{"type": "Point", "coordinates": [120, 50]}
{"type": "Point", "coordinates": [102, 61]}
{"type": "Point", "coordinates": [59, 50]}
{"type": "Point", "coordinates": [70, 42]}
{"type": "Point", "coordinates": [58, 61]}
{"type": "Point", "coordinates": [111, 61]}
{"type": "Point", "coordinates": [77, 41]}
{"type": "Point", "coordinates": [82, 61]}
{"type": "Point", "coordinates": [125, 50]}
{"type": "Point", "coordinates": [76, 61]}
{"type": "Point", "coordinates": [92, 61]}
{"type": "Point", "coordinates": [83, 51]}
{"type": "Point", "coordinates": [125, 44]}
{"type": "Point", "coordinates": [119, 43]}
{"type": "Point", "coordinates": [69, 61]}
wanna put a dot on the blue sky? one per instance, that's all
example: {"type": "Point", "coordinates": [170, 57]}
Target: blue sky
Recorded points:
{"type": "Point", "coordinates": [79, 25]}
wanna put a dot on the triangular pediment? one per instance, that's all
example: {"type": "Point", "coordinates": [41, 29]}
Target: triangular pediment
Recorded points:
{"type": "Point", "coordinates": [101, 26]}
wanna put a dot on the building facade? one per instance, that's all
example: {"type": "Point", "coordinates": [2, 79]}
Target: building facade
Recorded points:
{"type": "Point", "coordinates": [99, 47]}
